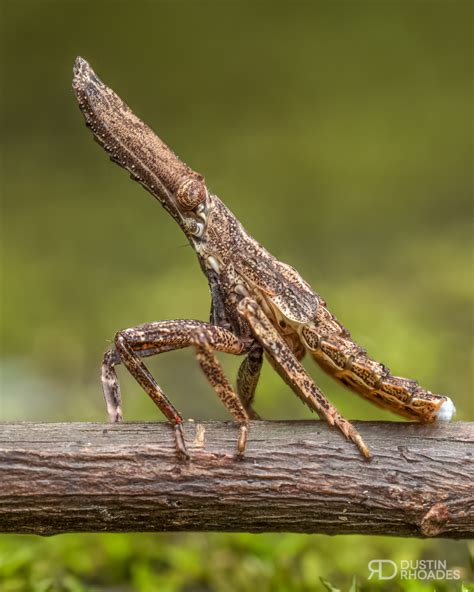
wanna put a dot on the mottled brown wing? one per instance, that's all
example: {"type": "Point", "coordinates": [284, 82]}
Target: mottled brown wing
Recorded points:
{"type": "Point", "coordinates": [285, 288]}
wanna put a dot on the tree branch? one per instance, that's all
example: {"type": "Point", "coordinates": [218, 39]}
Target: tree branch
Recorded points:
{"type": "Point", "coordinates": [296, 476]}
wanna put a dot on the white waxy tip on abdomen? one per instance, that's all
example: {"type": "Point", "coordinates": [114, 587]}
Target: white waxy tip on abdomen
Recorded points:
{"type": "Point", "coordinates": [447, 411]}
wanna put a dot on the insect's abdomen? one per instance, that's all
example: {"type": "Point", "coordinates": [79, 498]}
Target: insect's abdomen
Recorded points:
{"type": "Point", "coordinates": [330, 345]}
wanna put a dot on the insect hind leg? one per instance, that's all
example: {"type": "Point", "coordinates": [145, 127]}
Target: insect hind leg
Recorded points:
{"type": "Point", "coordinates": [293, 373]}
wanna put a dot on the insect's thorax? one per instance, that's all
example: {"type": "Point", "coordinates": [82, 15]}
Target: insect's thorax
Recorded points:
{"type": "Point", "coordinates": [242, 267]}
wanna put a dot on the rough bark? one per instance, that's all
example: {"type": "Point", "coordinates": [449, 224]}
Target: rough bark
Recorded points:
{"type": "Point", "coordinates": [297, 476]}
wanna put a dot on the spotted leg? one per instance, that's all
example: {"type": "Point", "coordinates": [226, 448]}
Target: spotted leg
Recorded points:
{"type": "Point", "coordinates": [247, 378]}
{"type": "Point", "coordinates": [293, 373]}
{"type": "Point", "coordinates": [153, 338]}
{"type": "Point", "coordinates": [214, 373]}
{"type": "Point", "coordinates": [111, 386]}
{"type": "Point", "coordinates": [110, 383]}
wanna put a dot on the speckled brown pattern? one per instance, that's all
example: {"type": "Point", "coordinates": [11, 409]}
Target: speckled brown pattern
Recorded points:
{"type": "Point", "coordinates": [259, 304]}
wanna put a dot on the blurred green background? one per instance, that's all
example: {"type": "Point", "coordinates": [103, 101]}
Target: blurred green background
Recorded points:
{"type": "Point", "coordinates": [339, 133]}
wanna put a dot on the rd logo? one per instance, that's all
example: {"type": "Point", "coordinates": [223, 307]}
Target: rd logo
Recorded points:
{"type": "Point", "coordinates": [384, 569]}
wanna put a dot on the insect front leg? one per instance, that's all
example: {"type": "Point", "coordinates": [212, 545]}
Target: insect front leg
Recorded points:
{"type": "Point", "coordinates": [293, 373]}
{"type": "Point", "coordinates": [153, 338]}
{"type": "Point", "coordinates": [110, 382]}
{"type": "Point", "coordinates": [111, 386]}
{"type": "Point", "coordinates": [124, 342]}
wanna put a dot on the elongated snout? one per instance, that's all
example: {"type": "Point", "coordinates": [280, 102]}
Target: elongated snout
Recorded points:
{"type": "Point", "coordinates": [129, 142]}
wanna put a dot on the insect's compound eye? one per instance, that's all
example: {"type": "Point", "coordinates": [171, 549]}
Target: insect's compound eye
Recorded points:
{"type": "Point", "coordinates": [190, 194]}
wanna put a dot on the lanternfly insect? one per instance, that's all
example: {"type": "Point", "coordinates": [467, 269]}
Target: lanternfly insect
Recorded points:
{"type": "Point", "coordinates": [259, 304]}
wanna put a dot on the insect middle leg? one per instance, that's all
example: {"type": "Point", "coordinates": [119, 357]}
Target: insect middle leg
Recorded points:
{"type": "Point", "coordinates": [293, 373]}
{"type": "Point", "coordinates": [247, 378]}
{"type": "Point", "coordinates": [153, 338]}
